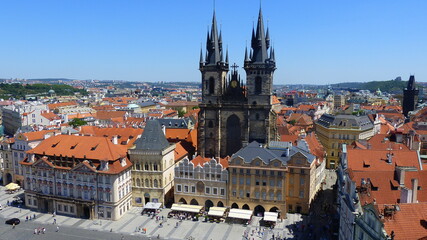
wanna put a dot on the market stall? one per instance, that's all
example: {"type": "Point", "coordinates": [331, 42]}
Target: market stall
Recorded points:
{"type": "Point", "coordinates": [185, 211]}
{"type": "Point", "coordinates": [270, 218]}
{"type": "Point", "coordinates": [217, 214]}
{"type": "Point", "coordinates": [151, 208]}
{"type": "Point", "coordinates": [240, 215]}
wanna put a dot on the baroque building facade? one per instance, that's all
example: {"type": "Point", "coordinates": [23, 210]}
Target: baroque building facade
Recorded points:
{"type": "Point", "coordinates": [202, 181]}
{"type": "Point", "coordinates": [231, 114]}
{"type": "Point", "coordinates": [79, 176]}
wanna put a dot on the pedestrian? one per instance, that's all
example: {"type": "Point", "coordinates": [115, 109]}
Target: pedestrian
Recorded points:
{"type": "Point", "coordinates": [35, 230]}
{"type": "Point", "coordinates": [13, 226]}
{"type": "Point", "coordinates": [8, 203]}
{"type": "Point", "coordinates": [34, 216]}
{"type": "Point", "coordinates": [54, 221]}
{"type": "Point", "coordinates": [26, 218]}
{"type": "Point", "coordinates": [39, 230]}
{"type": "Point", "coordinates": [44, 230]}
{"type": "Point", "coordinates": [30, 217]}
{"type": "Point", "coordinates": [57, 228]}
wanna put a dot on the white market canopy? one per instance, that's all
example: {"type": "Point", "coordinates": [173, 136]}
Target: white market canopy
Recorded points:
{"type": "Point", "coordinates": [186, 208]}
{"type": "Point", "coordinates": [217, 211]}
{"type": "Point", "coordinates": [271, 216]}
{"type": "Point", "coordinates": [240, 213]}
{"type": "Point", "coordinates": [152, 205]}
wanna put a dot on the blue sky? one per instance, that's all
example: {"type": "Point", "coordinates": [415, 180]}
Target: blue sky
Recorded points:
{"type": "Point", "coordinates": [315, 41]}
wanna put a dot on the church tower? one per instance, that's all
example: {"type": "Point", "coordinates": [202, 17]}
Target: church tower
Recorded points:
{"type": "Point", "coordinates": [410, 96]}
{"type": "Point", "coordinates": [259, 66]}
{"type": "Point", "coordinates": [214, 73]}
{"type": "Point", "coordinates": [231, 114]}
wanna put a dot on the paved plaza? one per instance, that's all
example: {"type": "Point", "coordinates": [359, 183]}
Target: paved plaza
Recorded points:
{"type": "Point", "coordinates": [130, 224]}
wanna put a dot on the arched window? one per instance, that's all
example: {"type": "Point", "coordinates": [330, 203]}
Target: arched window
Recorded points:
{"type": "Point", "coordinates": [146, 167]}
{"type": "Point", "coordinates": [258, 85]}
{"type": "Point", "coordinates": [146, 183]}
{"type": "Point", "coordinates": [138, 182]}
{"type": "Point", "coordinates": [211, 85]}
{"type": "Point", "coordinates": [156, 183]}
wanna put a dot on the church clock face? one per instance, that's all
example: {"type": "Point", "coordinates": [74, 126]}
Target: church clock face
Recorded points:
{"type": "Point", "coordinates": [234, 84]}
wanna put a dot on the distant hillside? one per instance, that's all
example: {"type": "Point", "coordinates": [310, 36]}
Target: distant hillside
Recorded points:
{"type": "Point", "coordinates": [391, 86]}
{"type": "Point", "coordinates": [19, 91]}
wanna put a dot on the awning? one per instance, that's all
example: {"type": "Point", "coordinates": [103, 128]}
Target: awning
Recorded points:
{"type": "Point", "coordinates": [217, 211]}
{"type": "Point", "coordinates": [152, 205]}
{"type": "Point", "coordinates": [12, 186]}
{"type": "Point", "coordinates": [186, 208]}
{"type": "Point", "coordinates": [271, 216]}
{"type": "Point", "coordinates": [240, 213]}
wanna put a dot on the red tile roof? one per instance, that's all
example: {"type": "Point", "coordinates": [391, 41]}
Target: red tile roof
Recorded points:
{"type": "Point", "coordinates": [61, 104]}
{"type": "Point", "coordinates": [83, 147]}
{"type": "Point", "coordinates": [408, 223]}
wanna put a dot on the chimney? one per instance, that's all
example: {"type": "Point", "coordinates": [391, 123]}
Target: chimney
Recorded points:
{"type": "Point", "coordinates": [164, 129]}
{"type": "Point", "coordinates": [401, 176]}
{"type": "Point", "coordinates": [115, 140]}
{"type": "Point", "coordinates": [390, 158]}
{"type": "Point", "coordinates": [414, 189]}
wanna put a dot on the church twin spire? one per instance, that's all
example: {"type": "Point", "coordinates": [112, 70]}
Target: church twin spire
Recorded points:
{"type": "Point", "coordinates": [214, 50]}
{"type": "Point", "coordinates": [260, 43]}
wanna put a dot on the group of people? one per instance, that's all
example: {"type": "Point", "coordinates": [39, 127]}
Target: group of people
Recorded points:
{"type": "Point", "coordinates": [30, 218]}
{"type": "Point", "coordinates": [39, 230]}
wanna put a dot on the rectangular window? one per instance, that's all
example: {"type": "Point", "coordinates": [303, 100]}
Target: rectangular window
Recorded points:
{"type": "Point", "coordinates": [248, 181]}
{"type": "Point", "coordinates": [65, 208]}
{"type": "Point", "coordinates": [257, 172]}
{"type": "Point", "coordinates": [279, 183]}
{"type": "Point", "coordinates": [291, 170]}
{"type": "Point", "coordinates": [241, 193]}
{"type": "Point", "coordinates": [208, 190]}
{"type": "Point", "coordinates": [193, 189]}
{"type": "Point", "coordinates": [301, 193]}
{"type": "Point", "coordinates": [271, 182]}
{"type": "Point", "coordinates": [234, 180]}
{"type": "Point", "coordinates": [264, 172]}
{"type": "Point", "coordinates": [179, 188]}
{"type": "Point", "coordinates": [222, 191]}
{"type": "Point", "coordinates": [241, 171]}
{"type": "Point", "coordinates": [72, 209]}
{"type": "Point", "coordinates": [185, 188]}
{"type": "Point", "coordinates": [257, 182]}
{"type": "Point", "coordinates": [234, 193]}
{"type": "Point", "coordinates": [302, 171]}
{"type": "Point", "coordinates": [272, 173]}
{"type": "Point", "coordinates": [248, 171]}
{"type": "Point", "coordinates": [108, 214]}
{"type": "Point", "coordinates": [215, 191]}
{"type": "Point", "coordinates": [302, 181]}
{"type": "Point", "coordinates": [59, 207]}
{"type": "Point", "coordinates": [264, 182]}
{"type": "Point", "coordinates": [248, 194]}
{"type": "Point", "coordinates": [241, 180]}
{"type": "Point", "coordinates": [234, 170]}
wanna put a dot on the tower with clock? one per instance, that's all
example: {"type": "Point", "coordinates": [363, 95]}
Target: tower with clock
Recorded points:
{"type": "Point", "coordinates": [233, 114]}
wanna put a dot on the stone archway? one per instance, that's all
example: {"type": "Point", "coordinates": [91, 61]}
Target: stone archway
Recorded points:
{"type": "Point", "coordinates": [220, 204]}
{"type": "Point", "coordinates": [233, 135]}
{"type": "Point", "coordinates": [208, 204]}
{"type": "Point", "coordinates": [274, 209]}
{"type": "Point", "coordinates": [194, 202]}
{"type": "Point", "coordinates": [259, 211]}
{"type": "Point", "coordinates": [234, 205]}
{"type": "Point", "coordinates": [182, 200]}
{"type": "Point", "coordinates": [246, 206]}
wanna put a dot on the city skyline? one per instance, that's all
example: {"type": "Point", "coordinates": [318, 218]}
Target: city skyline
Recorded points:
{"type": "Point", "coordinates": [314, 42]}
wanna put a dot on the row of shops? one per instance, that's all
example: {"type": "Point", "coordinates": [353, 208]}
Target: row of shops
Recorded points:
{"type": "Point", "coordinates": [218, 214]}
